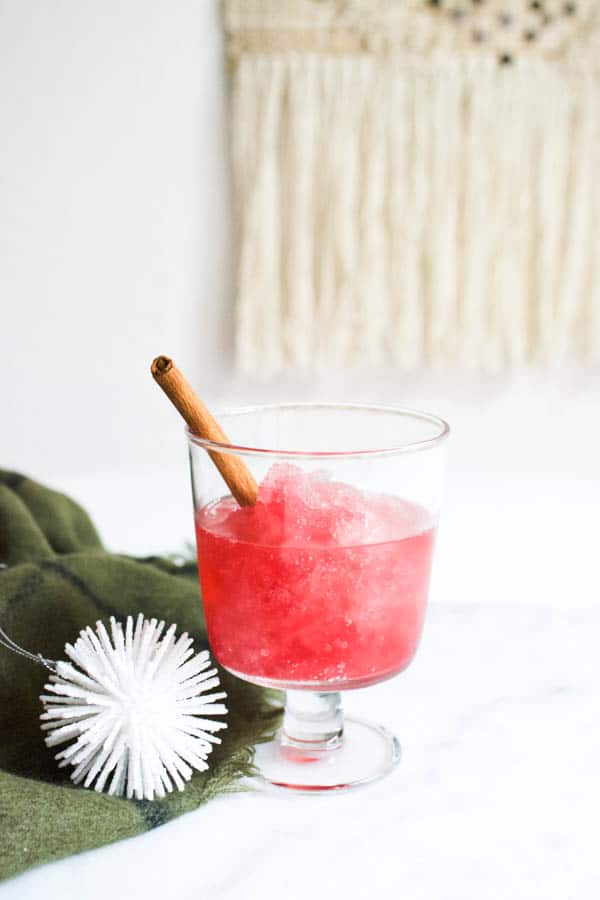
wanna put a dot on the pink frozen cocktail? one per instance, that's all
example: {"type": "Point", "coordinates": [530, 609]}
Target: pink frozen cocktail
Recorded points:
{"type": "Point", "coordinates": [318, 584]}
{"type": "Point", "coordinates": [321, 584]}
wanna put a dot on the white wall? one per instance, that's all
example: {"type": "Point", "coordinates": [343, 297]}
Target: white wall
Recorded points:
{"type": "Point", "coordinates": [113, 226]}
{"type": "Point", "coordinates": [114, 246]}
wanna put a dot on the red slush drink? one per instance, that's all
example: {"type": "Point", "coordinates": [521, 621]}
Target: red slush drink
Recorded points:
{"type": "Point", "coordinates": [319, 585]}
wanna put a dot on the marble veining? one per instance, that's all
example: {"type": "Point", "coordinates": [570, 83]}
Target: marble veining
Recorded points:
{"type": "Point", "coordinates": [496, 796]}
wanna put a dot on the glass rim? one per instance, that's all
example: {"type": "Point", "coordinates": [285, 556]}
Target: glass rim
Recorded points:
{"type": "Point", "coordinates": [407, 447]}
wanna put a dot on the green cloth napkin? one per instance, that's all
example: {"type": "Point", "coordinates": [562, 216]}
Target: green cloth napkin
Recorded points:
{"type": "Point", "coordinates": [60, 579]}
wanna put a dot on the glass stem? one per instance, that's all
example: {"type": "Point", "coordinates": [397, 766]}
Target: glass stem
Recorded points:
{"type": "Point", "coordinates": [313, 722]}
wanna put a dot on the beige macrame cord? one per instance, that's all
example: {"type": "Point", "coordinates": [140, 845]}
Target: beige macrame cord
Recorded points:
{"type": "Point", "coordinates": [407, 193]}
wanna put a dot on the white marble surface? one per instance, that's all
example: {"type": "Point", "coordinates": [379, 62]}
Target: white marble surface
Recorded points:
{"type": "Point", "coordinates": [498, 792]}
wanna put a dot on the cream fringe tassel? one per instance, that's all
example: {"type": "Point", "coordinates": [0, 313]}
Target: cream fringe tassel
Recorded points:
{"type": "Point", "coordinates": [391, 211]}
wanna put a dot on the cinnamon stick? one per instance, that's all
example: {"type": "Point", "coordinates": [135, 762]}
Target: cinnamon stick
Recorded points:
{"type": "Point", "coordinates": [201, 422]}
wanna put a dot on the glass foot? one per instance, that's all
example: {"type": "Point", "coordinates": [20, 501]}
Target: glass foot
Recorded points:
{"type": "Point", "coordinates": [361, 754]}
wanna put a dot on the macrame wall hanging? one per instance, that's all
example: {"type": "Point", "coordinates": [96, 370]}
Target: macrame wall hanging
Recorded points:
{"type": "Point", "coordinates": [416, 183]}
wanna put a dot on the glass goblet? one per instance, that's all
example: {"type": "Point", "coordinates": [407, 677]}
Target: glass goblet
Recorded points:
{"type": "Point", "coordinates": [321, 587]}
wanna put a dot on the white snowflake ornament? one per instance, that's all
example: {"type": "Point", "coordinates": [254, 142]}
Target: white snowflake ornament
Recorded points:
{"type": "Point", "coordinates": [135, 708]}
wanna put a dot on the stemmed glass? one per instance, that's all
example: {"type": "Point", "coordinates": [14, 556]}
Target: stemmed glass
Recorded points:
{"type": "Point", "coordinates": [320, 587]}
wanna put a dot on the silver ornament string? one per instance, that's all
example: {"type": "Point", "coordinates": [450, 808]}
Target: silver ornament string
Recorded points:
{"type": "Point", "coordinates": [9, 644]}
